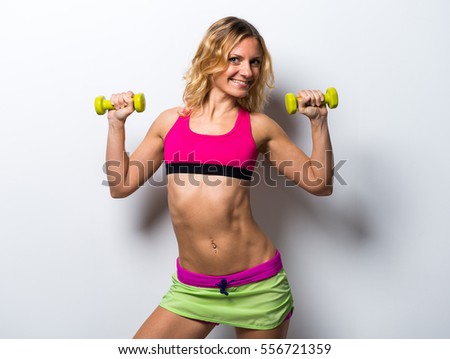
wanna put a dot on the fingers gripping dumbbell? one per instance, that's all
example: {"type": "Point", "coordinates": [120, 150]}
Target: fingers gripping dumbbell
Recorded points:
{"type": "Point", "coordinates": [331, 99]}
{"type": "Point", "coordinates": [101, 104]}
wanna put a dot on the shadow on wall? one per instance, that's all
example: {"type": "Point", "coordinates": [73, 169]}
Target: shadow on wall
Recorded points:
{"type": "Point", "coordinates": [276, 202]}
{"type": "Point", "coordinates": [284, 210]}
{"type": "Point", "coordinates": [153, 202]}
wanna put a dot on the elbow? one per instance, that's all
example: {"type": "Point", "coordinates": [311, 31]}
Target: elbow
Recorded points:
{"type": "Point", "coordinates": [320, 191]}
{"type": "Point", "coordinates": [117, 193]}
{"type": "Point", "coordinates": [324, 192]}
{"type": "Point", "coordinates": [320, 184]}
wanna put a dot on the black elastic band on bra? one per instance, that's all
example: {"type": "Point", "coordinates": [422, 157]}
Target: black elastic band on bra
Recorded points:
{"type": "Point", "coordinates": [209, 169]}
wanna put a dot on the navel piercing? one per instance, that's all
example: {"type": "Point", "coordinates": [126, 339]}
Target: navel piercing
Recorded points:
{"type": "Point", "coordinates": [214, 246]}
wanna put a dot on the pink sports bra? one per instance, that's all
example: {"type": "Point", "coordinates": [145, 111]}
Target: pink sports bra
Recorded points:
{"type": "Point", "coordinates": [232, 154]}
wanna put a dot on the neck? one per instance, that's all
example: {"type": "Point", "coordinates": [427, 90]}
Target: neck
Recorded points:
{"type": "Point", "coordinates": [218, 105]}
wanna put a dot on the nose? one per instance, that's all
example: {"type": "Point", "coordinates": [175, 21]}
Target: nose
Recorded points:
{"type": "Point", "coordinates": [246, 69]}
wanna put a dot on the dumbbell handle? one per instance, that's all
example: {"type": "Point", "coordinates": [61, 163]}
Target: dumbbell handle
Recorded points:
{"type": "Point", "coordinates": [101, 104]}
{"type": "Point", "coordinates": [331, 99]}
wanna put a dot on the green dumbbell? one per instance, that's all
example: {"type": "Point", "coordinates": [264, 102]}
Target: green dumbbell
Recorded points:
{"type": "Point", "coordinates": [101, 104]}
{"type": "Point", "coordinates": [331, 99]}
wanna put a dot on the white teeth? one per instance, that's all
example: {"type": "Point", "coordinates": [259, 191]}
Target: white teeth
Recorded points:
{"type": "Point", "coordinates": [241, 82]}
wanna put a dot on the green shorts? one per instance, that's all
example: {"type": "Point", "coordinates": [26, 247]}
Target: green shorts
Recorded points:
{"type": "Point", "coordinates": [262, 305]}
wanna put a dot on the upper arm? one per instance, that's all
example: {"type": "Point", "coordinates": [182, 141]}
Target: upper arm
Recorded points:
{"type": "Point", "coordinates": [148, 156]}
{"type": "Point", "coordinates": [282, 153]}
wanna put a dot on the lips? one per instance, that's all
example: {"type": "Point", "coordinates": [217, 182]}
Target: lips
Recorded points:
{"type": "Point", "coordinates": [241, 83]}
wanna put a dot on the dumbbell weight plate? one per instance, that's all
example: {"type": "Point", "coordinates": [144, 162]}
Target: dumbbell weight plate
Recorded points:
{"type": "Point", "coordinates": [139, 102]}
{"type": "Point", "coordinates": [291, 103]}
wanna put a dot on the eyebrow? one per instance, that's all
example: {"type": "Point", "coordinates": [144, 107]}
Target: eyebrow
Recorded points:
{"type": "Point", "coordinates": [241, 57]}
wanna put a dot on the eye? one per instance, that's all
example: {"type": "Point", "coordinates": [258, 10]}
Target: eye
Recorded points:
{"type": "Point", "coordinates": [233, 60]}
{"type": "Point", "coordinates": [256, 62]}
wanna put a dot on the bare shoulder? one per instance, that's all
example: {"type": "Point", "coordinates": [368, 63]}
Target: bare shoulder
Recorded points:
{"type": "Point", "coordinates": [263, 123]}
{"type": "Point", "coordinates": [164, 122]}
{"type": "Point", "coordinates": [264, 129]}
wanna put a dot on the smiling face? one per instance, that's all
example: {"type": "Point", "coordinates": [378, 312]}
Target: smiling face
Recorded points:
{"type": "Point", "coordinates": [244, 65]}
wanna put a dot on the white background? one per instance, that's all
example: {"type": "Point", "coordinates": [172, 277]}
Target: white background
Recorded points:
{"type": "Point", "coordinates": [372, 261]}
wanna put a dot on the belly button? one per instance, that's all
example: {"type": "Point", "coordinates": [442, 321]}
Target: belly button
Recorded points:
{"type": "Point", "coordinates": [214, 246]}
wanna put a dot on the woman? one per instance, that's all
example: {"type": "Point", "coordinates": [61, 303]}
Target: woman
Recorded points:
{"type": "Point", "coordinates": [228, 270]}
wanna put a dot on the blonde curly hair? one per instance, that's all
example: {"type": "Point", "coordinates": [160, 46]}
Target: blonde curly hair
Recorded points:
{"type": "Point", "coordinates": [212, 58]}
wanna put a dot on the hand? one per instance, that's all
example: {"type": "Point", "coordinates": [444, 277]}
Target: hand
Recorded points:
{"type": "Point", "coordinates": [311, 104]}
{"type": "Point", "coordinates": [124, 106]}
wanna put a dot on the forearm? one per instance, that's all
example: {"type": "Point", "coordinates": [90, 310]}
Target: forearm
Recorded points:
{"type": "Point", "coordinates": [321, 165]}
{"type": "Point", "coordinates": [117, 160]}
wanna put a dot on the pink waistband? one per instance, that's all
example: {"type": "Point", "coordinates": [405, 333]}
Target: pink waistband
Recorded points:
{"type": "Point", "coordinates": [260, 272]}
